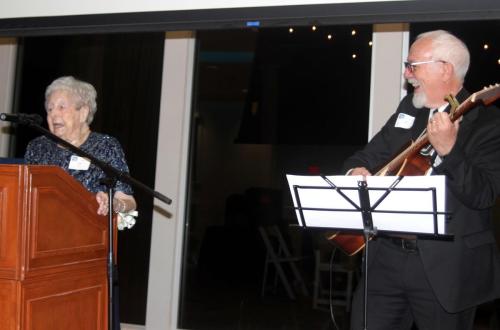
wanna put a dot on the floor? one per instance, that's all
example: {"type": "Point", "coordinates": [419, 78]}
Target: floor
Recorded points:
{"type": "Point", "coordinates": [275, 313]}
{"type": "Point", "coordinates": [225, 303]}
{"type": "Point", "coordinates": [223, 290]}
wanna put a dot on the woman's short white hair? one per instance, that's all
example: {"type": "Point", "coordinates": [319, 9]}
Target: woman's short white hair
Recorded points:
{"type": "Point", "coordinates": [84, 93]}
{"type": "Point", "coordinates": [446, 47]}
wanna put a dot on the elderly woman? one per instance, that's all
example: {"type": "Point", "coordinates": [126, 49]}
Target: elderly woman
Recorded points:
{"type": "Point", "coordinates": [71, 106]}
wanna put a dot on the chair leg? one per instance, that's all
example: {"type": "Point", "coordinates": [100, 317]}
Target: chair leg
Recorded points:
{"type": "Point", "coordinates": [338, 296]}
{"type": "Point", "coordinates": [284, 249]}
{"type": "Point", "coordinates": [286, 284]}
{"type": "Point", "coordinates": [275, 260]}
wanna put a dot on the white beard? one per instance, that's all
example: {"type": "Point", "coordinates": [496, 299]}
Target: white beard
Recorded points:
{"type": "Point", "coordinates": [419, 100]}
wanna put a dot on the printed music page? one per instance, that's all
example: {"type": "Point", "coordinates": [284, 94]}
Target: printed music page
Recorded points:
{"type": "Point", "coordinates": [414, 207]}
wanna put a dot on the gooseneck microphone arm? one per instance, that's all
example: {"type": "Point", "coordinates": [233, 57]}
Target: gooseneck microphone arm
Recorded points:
{"type": "Point", "coordinates": [34, 121]}
{"type": "Point", "coordinates": [22, 118]}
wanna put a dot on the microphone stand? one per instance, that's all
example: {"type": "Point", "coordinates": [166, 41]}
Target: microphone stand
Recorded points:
{"type": "Point", "coordinates": [112, 176]}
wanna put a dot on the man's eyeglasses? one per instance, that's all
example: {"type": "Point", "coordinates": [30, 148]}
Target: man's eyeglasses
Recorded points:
{"type": "Point", "coordinates": [411, 66]}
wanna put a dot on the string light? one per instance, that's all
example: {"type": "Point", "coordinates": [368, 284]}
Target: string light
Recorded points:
{"type": "Point", "coordinates": [290, 30]}
{"type": "Point", "coordinates": [314, 28]}
{"type": "Point", "coordinates": [499, 61]}
{"type": "Point", "coordinates": [370, 43]}
{"type": "Point", "coordinates": [485, 46]}
{"type": "Point", "coordinates": [354, 56]}
{"type": "Point", "coordinates": [353, 32]}
{"type": "Point", "coordinates": [329, 37]}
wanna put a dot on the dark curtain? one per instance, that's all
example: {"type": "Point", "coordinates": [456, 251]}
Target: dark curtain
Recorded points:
{"type": "Point", "coordinates": [126, 70]}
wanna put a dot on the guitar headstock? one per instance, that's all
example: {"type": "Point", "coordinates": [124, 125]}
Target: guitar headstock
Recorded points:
{"type": "Point", "coordinates": [488, 95]}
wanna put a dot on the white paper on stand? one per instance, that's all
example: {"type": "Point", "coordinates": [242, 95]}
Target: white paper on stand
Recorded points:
{"type": "Point", "coordinates": [334, 211]}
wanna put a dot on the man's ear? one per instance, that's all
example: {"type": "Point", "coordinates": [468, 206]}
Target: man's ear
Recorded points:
{"type": "Point", "coordinates": [448, 71]}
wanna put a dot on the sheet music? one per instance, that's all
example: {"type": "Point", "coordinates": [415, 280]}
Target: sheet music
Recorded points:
{"type": "Point", "coordinates": [334, 211]}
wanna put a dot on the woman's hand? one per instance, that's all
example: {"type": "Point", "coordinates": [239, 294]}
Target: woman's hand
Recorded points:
{"type": "Point", "coordinates": [123, 202]}
{"type": "Point", "coordinates": [102, 199]}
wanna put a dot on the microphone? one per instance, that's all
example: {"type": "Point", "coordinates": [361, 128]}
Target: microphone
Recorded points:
{"type": "Point", "coordinates": [22, 118]}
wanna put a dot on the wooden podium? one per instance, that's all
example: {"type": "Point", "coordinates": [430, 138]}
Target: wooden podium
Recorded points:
{"type": "Point", "coordinates": [53, 251]}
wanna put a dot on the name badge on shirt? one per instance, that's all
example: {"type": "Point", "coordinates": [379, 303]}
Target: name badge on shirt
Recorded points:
{"type": "Point", "coordinates": [79, 163]}
{"type": "Point", "coordinates": [404, 121]}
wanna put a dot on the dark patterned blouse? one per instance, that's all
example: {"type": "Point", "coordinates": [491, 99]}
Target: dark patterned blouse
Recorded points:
{"type": "Point", "coordinates": [43, 151]}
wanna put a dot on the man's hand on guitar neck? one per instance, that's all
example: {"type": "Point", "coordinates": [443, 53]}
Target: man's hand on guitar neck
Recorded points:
{"type": "Point", "coordinates": [442, 133]}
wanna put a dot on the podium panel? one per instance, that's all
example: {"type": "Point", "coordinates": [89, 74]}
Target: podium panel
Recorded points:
{"type": "Point", "coordinates": [53, 252]}
{"type": "Point", "coordinates": [74, 302]}
{"type": "Point", "coordinates": [10, 220]}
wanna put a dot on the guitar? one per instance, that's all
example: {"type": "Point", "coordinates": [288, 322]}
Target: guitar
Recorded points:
{"type": "Point", "coordinates": [411, 162]}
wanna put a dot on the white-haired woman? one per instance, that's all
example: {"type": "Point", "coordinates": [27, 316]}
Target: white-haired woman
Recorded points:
{"type": "Point", "coordinates": [71, 104]}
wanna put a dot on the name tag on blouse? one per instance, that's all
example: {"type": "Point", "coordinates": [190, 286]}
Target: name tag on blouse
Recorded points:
{"type": "Point", "coordinates": [79, 163]}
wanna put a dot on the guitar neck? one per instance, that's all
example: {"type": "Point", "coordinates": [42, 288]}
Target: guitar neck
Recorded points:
{"type": "Point", "coordinates": [423, 140]}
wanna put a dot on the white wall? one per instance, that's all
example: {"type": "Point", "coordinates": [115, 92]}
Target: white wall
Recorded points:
{"type": "Point", "coordinates": [8, 50]}
{"type": "Point", "coordinates": [390, 45]}
{"type": "Point", "coordinates": [171, 178]}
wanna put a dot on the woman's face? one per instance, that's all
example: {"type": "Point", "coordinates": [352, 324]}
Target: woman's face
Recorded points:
{"type": "Point", "coordinates": [64, 119]}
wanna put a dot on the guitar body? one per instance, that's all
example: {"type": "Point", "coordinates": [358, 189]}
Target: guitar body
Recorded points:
{"type": "Point", "coordinates": [411, 162]}
{"type": "Point", "coordinates": [417, 165]}
{"type": "Point", "coordinates": [349, 244]}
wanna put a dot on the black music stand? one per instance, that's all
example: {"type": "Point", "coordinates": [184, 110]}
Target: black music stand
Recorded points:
{"type": "Point", "coordinates": [353, 201]}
